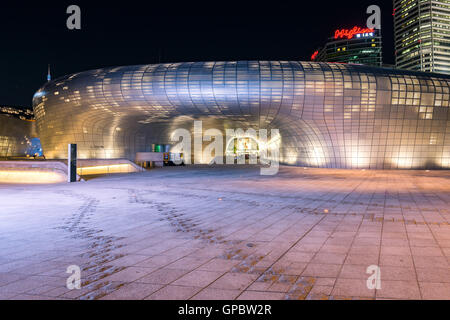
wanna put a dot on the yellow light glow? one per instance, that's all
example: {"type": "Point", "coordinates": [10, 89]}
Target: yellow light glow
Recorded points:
{"type": "Point", "coordinates": [402, 162]}
{"type": "Point", "coordinates": [359, 159]}
{"type": "Point", "coordinates": [114, 168]}
{"type": "Point", "coordinates": [317, 157]}
{"type": "Point", "coordinates": [290, 158]}
{"type": "Point", "coordinates": [444, 162]}
{"type": "Point", "coordinates": [31, 177]}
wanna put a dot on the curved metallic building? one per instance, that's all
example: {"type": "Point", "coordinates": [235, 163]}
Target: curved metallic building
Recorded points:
{"type": "Point", "coordinates": [329, 115]}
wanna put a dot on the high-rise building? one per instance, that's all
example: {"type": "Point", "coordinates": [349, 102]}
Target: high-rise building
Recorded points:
{"type": "Point", "coordinates": [422, 35]}
{"type": "Point", "coordinates": [356, 45]}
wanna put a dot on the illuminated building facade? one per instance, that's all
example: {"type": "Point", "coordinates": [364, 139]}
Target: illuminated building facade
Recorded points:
{"type": "Point", "coordinates": [356, 45]}
{"type": "Point", "coordinates": [328, 114]}
{"type": "Point", "coordinates": [17, 132]}
{"type": "Point", "coordinates": [422, 35]}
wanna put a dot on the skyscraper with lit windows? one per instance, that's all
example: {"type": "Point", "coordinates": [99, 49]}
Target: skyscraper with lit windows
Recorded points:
{"type": "Point", "coordinates": [356, 45]}
{"type": "Point", "coordinates": [422, 35]}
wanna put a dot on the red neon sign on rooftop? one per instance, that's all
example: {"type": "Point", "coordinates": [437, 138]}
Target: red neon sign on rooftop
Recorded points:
{"type": "Point", "coordinates": [314, 56]}
{"type": "Point", "coordinates": [350, 33]}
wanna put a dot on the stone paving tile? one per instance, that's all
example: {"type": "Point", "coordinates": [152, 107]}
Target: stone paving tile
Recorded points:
{"type": "Point", "coordinates": [397, 251]}
{"type": "Point", "coordinates": [129, 260]}
{"type": "Point", "coordinates": [398, 273]}
{"type": "Point", "coordinates": [431, 262]}
{"type": "Point", "coordinates": [93, 291]}
{"type": "Point", "coordinates": [299, 256]}
{"type": "Point", "coordinates": [41, 290]}
{"type": "Point", "coordinates": [7, 295]}
{"type": "Point", "coordinates": [302, 234]}
{"type": "Point", "coordinates": [362, 259]}
{"type": "Point", "coordinates": [157, 261]}
{"type": "Point", "coordinates": [234, 281]}
{"type": "Point", "coordinates": [320, 293]}
{"type": "Point", "coordinates": [132, 291]}
{"type": "Point", "coordinates": [58, 291]}
{"type": "Point", "coordinates": [446, 251]}
{"type": "Point", "coordinates": [426, 251]}
{"type": "Point", "coordinates": [21, 286]}
{"type": "Point", "coordinates": [328, 282]}
{"type": "Point", "coordinates": [6, 278]}
{"type": "Point", "coordinates": [218, 265]}
{"type": "Point", "coordinates": [198, 278]}
{"type": "Point", "coordinates": [396, 261]}
{"type": "Point", "coordinates": [163, 276]}
{"type": "Point", "coordinates": [174, 293]}
{"type": "Point", "coordinates": [261, 295]}
{"type": "Point", "coordinates": [329, 258]}
{"type": "Point", "coordinates": [334, 249]}
{"type": "Point", "coordinates": [322, 270]}
{"type": "Point", "coordinates": [352, 288]}
{"type": "Point", "coordinates": [25, 296]}
{"type": "Point", "coordinates": [440, 275]}
{"type": "Point", "coordinates": [399, 290]}
{"type": "Point", "coordinates": [130, 274]}
{"type": "Point", "coordinates": [187, 263]}
{"type": "Point", "coordinates": [216, 294]}
{"type": "Point", "coordinates": [354, 271]}
{"type": "Point", "coordinates": [435, 291]}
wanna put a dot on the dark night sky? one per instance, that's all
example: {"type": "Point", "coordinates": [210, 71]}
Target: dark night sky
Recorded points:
{"type": "Point", "coordinates": [113, 34]}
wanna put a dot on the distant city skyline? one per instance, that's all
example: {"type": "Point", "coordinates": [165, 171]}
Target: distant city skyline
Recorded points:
{"type": "Point", "coordinates": [422, 35]}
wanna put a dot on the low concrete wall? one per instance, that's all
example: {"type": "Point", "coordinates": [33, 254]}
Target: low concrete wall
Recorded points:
{"type": "Point", "coordinates": [60, 166]}
{"type": "Point", "coordinates": [57, 167]}
{"type": "Point", "coordinates": [156, 157]}
{"type": "Point", "coordinates": [82, 163]}
{"type": "Point", "coordinates": [53, 165]}
{"type": "Point", "coordinates": [149, 156]}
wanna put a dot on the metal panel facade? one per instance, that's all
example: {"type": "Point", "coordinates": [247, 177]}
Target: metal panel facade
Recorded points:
{"type": "Point", "coordinates": [329, 115]}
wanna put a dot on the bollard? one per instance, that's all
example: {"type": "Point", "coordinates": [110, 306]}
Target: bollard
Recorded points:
{"type": "Point", "coordinates": [72, 163]}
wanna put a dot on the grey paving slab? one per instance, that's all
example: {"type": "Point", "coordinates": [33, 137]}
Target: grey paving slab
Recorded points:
{"type": "Point", "coordinates": [229, 233]}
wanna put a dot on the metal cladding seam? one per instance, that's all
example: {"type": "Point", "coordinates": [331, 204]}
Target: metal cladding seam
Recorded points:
{"type": "Point", "coordinates": [329, 114]}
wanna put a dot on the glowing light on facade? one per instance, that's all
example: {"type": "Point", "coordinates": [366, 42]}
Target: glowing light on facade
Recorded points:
{"type": "Point", "coordinates": [350, 33]}
{"type": "Point", "coordinates": [360, 159]}
{"type": "Point", "coordinates": [317, 157]}
{"type": "Point", "coordinates": [328, 114]}
{"type": "Point", "coordinates": [31, 177]}
{"type": "Point", "coordinates": [106, 169]}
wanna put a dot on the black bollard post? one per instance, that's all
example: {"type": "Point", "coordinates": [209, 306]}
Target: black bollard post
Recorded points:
{"type": "Point", "coordinates": [72, 163]}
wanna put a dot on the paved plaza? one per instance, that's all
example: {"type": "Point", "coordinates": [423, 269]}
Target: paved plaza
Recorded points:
{"type": "Point", "coordinates": [229, 233]}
